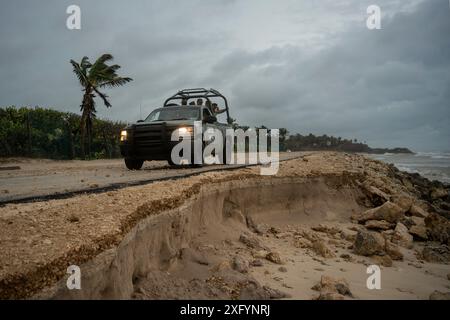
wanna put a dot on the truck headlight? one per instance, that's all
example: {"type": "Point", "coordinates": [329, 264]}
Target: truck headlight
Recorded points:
{"type": "Point", "coordinates": [123, 135]}
{"type": "Point", "coordinates": [185, 130]}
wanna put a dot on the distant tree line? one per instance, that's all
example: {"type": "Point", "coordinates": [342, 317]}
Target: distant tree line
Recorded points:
{"type": "Point", "coordinates": [310, 142]}
{"type": "Point", "coordinates": [47, 133]}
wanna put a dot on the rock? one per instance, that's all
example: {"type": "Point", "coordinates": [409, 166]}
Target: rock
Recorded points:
{"type": "Point", "coordinates": [438, 193]}
{"type": "Point", "coordinates": [256, 263]}
{"type": "Point", "coordinates": [375, 195]}
{"type": "Point", "coordinates": [349, 235]}
{"type": "Point", "coordinates": [254, 226]}
{"type": "Point", "coordinates": [387, 234]}
{"type": "Point", "coordinates": [260, 254]}
{"type": "Point", "coordinates": [402, 237]}
{"type": "Point", "coordinates": [403, 202]}
{"type": "Point", "coordinates": [320, 248]}
{"type": "Point", "coordinates": [309, 235]}
{"type": "Point", "coordinates": [275, 293]}
{"type": "Point", "coordinates": [224, 265]}
{"type": "Point", "coordinates": [251, 290]}
{"type": "Point", "coordinates": [283, 235]}
{"type": "Point", "coordinates": [326, 229]}
{"type": "Point", "coordinates": [388, 211]}
{"type": "Point", "coordinates": [328, 284]}
{"type": "Point", "coordinates": [282, 269]}
{"type": "Point", "coordinates": [436, 253]}
{"type": "Point", "coordinates": [393, 251]}
{"type": "Point", "coordinates": [437, 295]}
{"type": "Point", "coordinates": [274, 257]}
{"type": "Point", "coordinates": [438, 228]}
{"type": "Point", "coordinates": [408, 184]}
{"type": "Point", "coordinates": [302, 243]}
{"type": "Point", "coordinates": [251, 242]}
{"type": "Point", "coordinates": [418, 221]}
{"type": "Point", "coordinates": [448, 276]}
{"type": "Point", "coordinates": [368, 243]}
{"type": "Point", "coordinates": [407, 222]}
{"type": "Point", "coordinates": [385, 260]}
{"type": "Point", "coordinates": [378, 225]}
{"type": "Point", "coordinates": [419, 233]}
{"type": "Point", "coordinates": [418, 211]}
{"type": "Point", "coordinates": [240, 265]}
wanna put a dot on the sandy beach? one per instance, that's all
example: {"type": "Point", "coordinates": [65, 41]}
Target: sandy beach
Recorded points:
{"type": "Point", "coordinates": [310, 232]}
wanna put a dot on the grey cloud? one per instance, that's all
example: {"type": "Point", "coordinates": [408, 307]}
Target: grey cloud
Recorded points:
{"type": "Point", "coordinates": [307, 66]}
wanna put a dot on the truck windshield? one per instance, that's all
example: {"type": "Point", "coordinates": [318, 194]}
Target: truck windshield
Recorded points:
{"type": "Point", "coordinates": [177, 113]}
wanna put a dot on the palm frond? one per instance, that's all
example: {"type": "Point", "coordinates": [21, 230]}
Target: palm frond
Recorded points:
{"type": "Point", "coordinates": [104, 98]}
{"type": "Point", "coordinates": [81, 75]}
{"type": "Point", "coordinates": [100, 64]}
{"type": "Point", "coordinates": [115, 82]}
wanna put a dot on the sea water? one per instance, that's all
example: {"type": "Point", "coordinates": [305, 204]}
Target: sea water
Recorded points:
{"type": "Point", "coordinates": [431, 165]}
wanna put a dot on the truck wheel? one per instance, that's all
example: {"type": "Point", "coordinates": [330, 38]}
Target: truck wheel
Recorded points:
{"type": "Point", "coordinates": [134, 164]}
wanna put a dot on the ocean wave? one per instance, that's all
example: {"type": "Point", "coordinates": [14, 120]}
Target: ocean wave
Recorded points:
{"type": "Point", "coordinates": [434, 155]}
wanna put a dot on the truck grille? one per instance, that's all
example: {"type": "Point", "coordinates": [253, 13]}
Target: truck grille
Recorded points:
{"type": "Point", "coordinates": [151, 138]}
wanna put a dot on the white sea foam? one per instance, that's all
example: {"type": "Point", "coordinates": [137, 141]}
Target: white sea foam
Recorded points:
{"type": "Point", "coordinates": [432, 165]}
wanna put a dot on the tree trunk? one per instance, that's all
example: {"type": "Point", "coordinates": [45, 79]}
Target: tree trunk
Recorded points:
{"type": "Point", "coordinates": [85, 107]}
{"type": "Point", "coordinates": [89, 132]}
{"type": "Point", "coordinates": [28, 135]}
{"type": "Point", "coordinates": [71, 151]}
{"type": "Point", "coordinates": [82, 137]}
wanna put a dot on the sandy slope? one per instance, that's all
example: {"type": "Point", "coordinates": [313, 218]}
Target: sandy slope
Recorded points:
{"type": "Point", "coordinates": [209, 257]}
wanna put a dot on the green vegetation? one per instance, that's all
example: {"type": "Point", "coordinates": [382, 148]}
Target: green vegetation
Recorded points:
{"type": "Point", "coordinates": [47, 133]}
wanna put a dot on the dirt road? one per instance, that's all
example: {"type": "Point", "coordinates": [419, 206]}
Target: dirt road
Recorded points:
{"type": "Point", "coordinates": [30, 179]}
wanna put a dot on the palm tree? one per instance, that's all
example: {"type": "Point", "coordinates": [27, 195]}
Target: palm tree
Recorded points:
{"type": "Point", "coordinates": [94, 77]}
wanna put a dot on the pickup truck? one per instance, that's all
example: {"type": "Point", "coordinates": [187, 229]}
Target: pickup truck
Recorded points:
{"type": "Point", "coordinates": [150, 139]}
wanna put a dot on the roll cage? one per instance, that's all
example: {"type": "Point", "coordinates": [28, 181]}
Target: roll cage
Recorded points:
{"type": "Point", "coordinates": [197, 93]}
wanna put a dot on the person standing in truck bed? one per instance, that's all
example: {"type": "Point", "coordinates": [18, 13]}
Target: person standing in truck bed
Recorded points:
{"type": "Point", "coordinates": [216, 109]}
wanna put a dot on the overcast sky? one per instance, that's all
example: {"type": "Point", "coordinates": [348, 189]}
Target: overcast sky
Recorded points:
{"type": "Point", "coordinates": [307, 65]}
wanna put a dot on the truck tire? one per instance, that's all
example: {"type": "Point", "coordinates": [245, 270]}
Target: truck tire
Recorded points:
{"type": "Point", "coordinates": [134, 164]}
{"type": "Point", "coordinates": [171, 163]}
